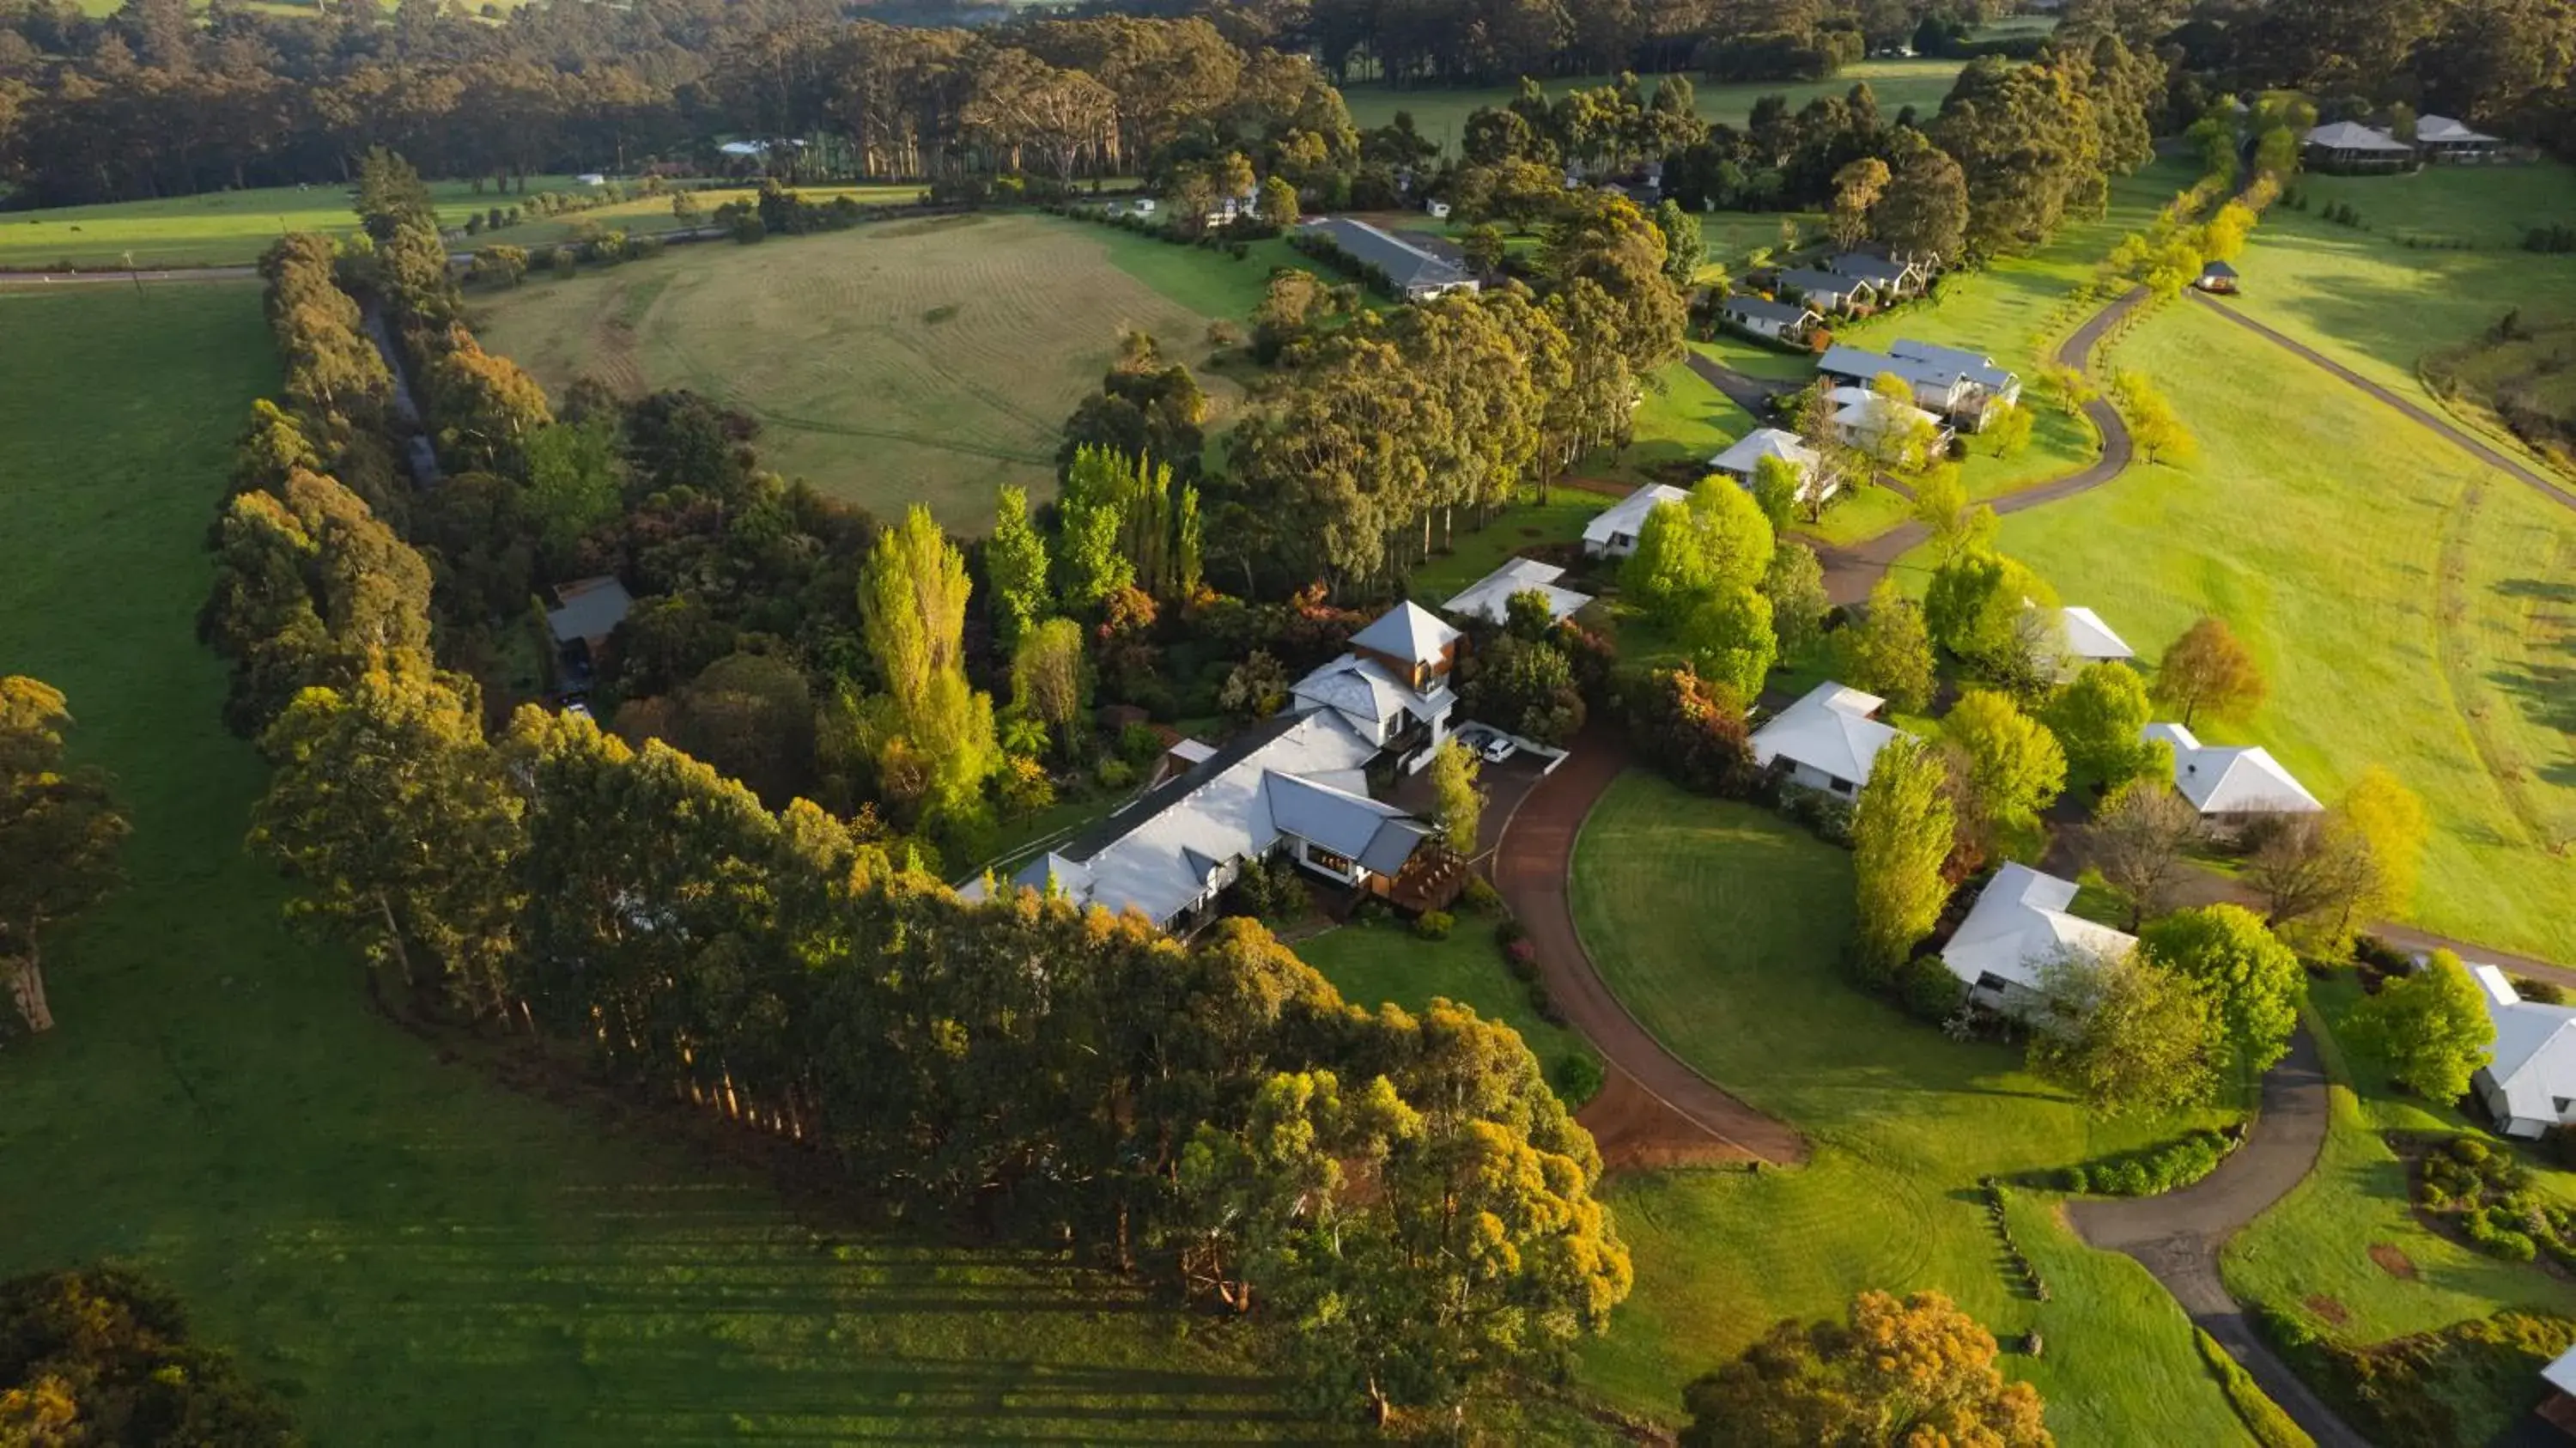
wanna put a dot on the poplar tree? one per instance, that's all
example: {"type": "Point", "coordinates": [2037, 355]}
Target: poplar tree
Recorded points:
{"type": "Point", "coordinates": [1015, 561]}
{"type": "Point", "coordinates": [1902, 824]}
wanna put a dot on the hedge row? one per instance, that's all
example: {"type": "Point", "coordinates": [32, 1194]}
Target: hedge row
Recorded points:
{"type": "Point", "coordinates": [2156, 1170]}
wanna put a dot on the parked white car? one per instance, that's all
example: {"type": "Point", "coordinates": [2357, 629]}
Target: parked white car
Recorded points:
{"type": "Point", "coordinates": [1490, 744]}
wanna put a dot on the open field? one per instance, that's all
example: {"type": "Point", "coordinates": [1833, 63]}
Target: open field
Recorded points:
{"type": "Point", "coordinates": [2410, 606]}
{"type": "Point", "coordinates": [1387, 962]}
{"type": "Point", "coordinates": [926, 360]}
{"type": "Point", "coordinates": [2324, 1245]}
{"type": "Point", "coordinates": [1722, 927]}
{"type": "Point", "coordinates": [413, 1254]}
{"type": "Point", "coordinates": [1440, 112]}
{"type": "Point", "coordinates": [221, 228]}
{"type": "Point", "coordinates": [2378, 306]}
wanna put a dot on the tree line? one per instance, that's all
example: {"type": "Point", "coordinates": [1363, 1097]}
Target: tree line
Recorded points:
{"type": "Point", "coordinates": [1401, 1193]}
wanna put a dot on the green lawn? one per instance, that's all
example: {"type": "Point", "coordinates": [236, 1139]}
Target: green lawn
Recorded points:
{"type": "Point", "coordinates": [412, 1253]}
{"type": "Point", "coordinates": [1386, 961]}
{"type": "Point", "coordinates": [2409, 606]}
{"type": "Point", "coordinates": [1440, 112]}
{"type": "Point", "coordinates": [1682, 423]}
{"type": "Point", "coordinates": [646, 214]}
{"type": "Point", "coordinates": [2315, 1246]}
{"type": "Point", "coordinates": [1722, 927]}
{"type": "Point", "coordinates": [224, 227]}
{"type": "Point", "coordinates": [2377, 306]}
{"type": "Point", "coordinates": [1516, 529]}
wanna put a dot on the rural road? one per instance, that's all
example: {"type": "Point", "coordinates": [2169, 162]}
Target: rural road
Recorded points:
{"type": "Point", "coordinates": [1533, 868]}
{"type": "Point", "coordinates": [1852, 570]}
{"type": "Point", "coordinates": [2468, 442]}
{"type": "Point", "coordinates": [2177, 1236]}
{"type": "Point", "coordinates": [104, 278]}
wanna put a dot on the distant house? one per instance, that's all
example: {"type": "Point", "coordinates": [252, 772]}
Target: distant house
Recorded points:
{"type": "Point", "coordinates": [1827, 740]}
{"type": "Point", "coordinates": [2216, 276]}
{"type": "Point", "coordinates": [1826, 291]}
{"type": "Point", "coordinates": [1965, 387]}
{"type": "Point", "coordinates": [1294, 783]}
{"type": "Point", "coordinates": [588, 610]}
{"type": "Point", "coordinates": [1489, 598]}
{"type": "Point", "coordinates": [1613, 531]}
{"type": "Point", "coordinates": [2441, 138]}
{"type": "Point", "coordinates": [1436, 210]}
{"type": "Point", "coordinates": [2559, 1408]}
{"type": "Point", "coordinates": [1393, 686]}
{"type": "Point", "coordinates": [1415, 271]}
{"type": "Point", "coordinates": [2019, 924]}
{"type": "Point", "coordinates": [1891, 278]}
{"type": "Point", "coordinates": [2352, 146]}
{"type": "Point", "coordinates": [1744, 456]}
{"type": "Point", "coordinates": [2530, 1085]}
{"type": "Point", "coordinates": [2232, 786]}
{"type": "Point", "coordinates": [1780, 321]}
{"type": "Point", "coordinates": [1882, 427]}
{"type": "Point", "coordinates": [2091, 640]}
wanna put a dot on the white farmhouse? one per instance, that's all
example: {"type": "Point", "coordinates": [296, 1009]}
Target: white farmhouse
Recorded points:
{"type": "Point", "coordinates": [1826, 740]}
{"type": "Point", "coordinates": [2231, 786]}
{"type": "Point", "coordinates": [2018, 925]}
{"type": "Point", "coordinates": [2530, 1085]}
{"type": "Point", "coordinates": [1613, 531]}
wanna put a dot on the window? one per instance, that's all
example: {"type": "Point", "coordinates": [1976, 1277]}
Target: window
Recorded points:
{"type": "Point", "coordinates": [1324, 859]}
{"type": "Point", "coordinates": [1838, 786]}
{"type": "Point", "coordinates": [1992, 983]}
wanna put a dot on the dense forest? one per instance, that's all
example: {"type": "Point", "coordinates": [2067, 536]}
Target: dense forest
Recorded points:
{"type": "Point", "coordinates": [155, 100]}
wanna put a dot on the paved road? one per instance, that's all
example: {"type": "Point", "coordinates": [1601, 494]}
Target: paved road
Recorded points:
{"type": "Point", "coordinates": [1852, 570]}
{"type": "Point", "coordinates": [107, 278]}
{"type": "Point", "coordinates": [1532, 869]}
{"type": "Point", "coordinates": [1745, 390]}
{"type": "Point", "coordinates": [2177, 1236]}
{"type": "Point", "coordinates": [2549, 488]}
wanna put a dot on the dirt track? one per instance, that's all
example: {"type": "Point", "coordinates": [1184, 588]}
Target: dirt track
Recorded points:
{"type": "Point", "coordinates": [1654, 1109]}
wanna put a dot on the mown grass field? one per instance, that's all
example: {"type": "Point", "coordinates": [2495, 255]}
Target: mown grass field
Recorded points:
{"type": "Point", "coordinates": [411, 1253]}
{"type": "Point", "coordinates": [1519, 527]}
{"type": "Point", "coordinates": [1381, 961]}
{"type": "Point", "coordinates": [2379, 306]}
{"type": "Point", "coordinates": [1440, 112]}
{"type": "Point", "coordinates": [223, 228]}
{"type": "Point", "coordinates": [928, 360]}
{"type": "Point", "coordinates": [2411, 608]}
{"type": "Point", "coordinates": [1721, 926]}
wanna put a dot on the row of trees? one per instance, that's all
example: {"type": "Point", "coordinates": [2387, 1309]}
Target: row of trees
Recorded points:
{"type": "Point", "coordinates": [61, 835]}
{"type": "Point", "coordinates": [1402, 1193]}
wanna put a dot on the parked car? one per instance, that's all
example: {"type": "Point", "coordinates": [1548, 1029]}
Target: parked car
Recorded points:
{"type": "Point", "coordinates": [1491, 744]}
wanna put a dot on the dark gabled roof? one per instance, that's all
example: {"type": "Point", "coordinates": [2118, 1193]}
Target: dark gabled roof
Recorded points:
{"type": "Point", "coordinates": [1867, 267]}
{"type": "Point", "coordinates": [1171, 791]}
{"type": "Point", "coordinates": [1764, 309]}
{"type": "Point", "coordinates": [2218, 269]}
{"type": "Point", "coordinates": [1407, 264]}
{"type": "Point", "coordinates": [1808, 280]}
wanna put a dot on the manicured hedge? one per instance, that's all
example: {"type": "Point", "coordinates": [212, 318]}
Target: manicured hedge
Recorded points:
{"type": "Point", "coordinates": [2156, 1170]}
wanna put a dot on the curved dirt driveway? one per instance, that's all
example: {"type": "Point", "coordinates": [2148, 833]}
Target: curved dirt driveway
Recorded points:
{"type": "Point", "coordinates": [2468, 442]}
{"type": "Point", "coordinates": [1852, 570]}
{"type": "Point", "coordinates": [1533, 868]}
{"type": "Point", "coordinates": [2177, 1236]}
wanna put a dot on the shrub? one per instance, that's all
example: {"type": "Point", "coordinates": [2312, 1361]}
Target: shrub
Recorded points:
{"type": "Point", "coordinates": [2547, 992]}
{"type": "Point", "coordinates": [1434, 924]}
{"type": "Point", "coordinates": [1480, 896]}
{"type": "Point", "coordinates": [2157, 1169]}
{"type": "Point", "coordinates": [1826, 815]}
{"type": "Point", "coordinates": [2262, 1417]}
{"type": "Point", "coordinates": [2468, 1150]}
{"type": "Point", "coordinates": [1928, 990]}
{"type": "Point", "coordinates": [1545, 1004]}
{"type": "Point", "coordinates": [1508, 931]}
{"type": "Point", "coordinates": [1521, 959]}
{"type": "Point", "coordinates": [1578, 1079]}
{"type": "Point", "coordinates": [1140, 745]}
{"type": "Point", "coordinates": [1114, 773]}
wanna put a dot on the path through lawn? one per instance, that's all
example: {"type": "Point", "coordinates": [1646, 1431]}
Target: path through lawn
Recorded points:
{"type": "Point", "coordinates": [413, 1255]}
{"type": "Point", "coordinates": [1722, 927]}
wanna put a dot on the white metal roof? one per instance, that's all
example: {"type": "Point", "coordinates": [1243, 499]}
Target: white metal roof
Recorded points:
{"type": "Point", "coordinates": [2445, 129]}
{"type": "Point", "coordinates": [2231, 780]}
{"type": "Point", "coordinates": [1628, 515]}
{"type": "Point", "coordinates": [1977, 367]}
{"type": "Point", "coordinates": [1490, 596]}
{"type": "Point", "coordinates": [2019, 922]}
{"type": "Point", "coordinates": [1742, 455]}
{"type": "Point", "coordinates": [1830, 729]}
{"type": "Point", "coordinates": [2088, 637]}
{"type": "Point", "coordinates": [1365, 691]}
{"type": "Point", "coordinates": [2354, 136]}
{"type": "Point", "coordinates": [2534, 1055]}
{"type": "Point", "coordinates": [1407, 631]}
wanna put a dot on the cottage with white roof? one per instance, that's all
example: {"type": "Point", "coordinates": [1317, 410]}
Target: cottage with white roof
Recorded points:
{"type": "Point", "coordinates": [1612, 533]}
{"type": "Point", "coordinates": [1827, 740]}
{"type": "Point", "coordinates": [1883, 427]}
{"type": "Point", "coordinates": [2529, 1085]}
{"type": "Point", "coordinates": [2018, 925]}
{"type": "Point", "coordinates": [1743, 458]}
{"type": "Point", "coordinates": [1489, 597]}
{"type": "Point", "coordinates": [2231, 785]}
{"type": "Point", "coordinates": [2091, 640]}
